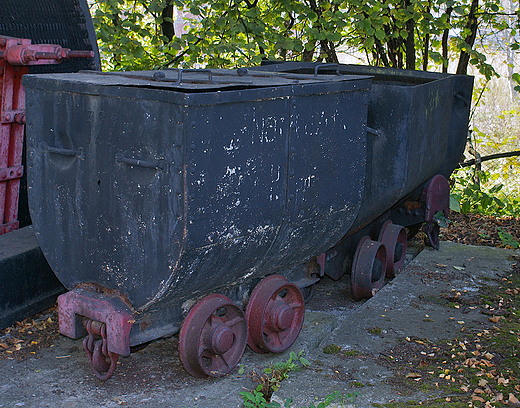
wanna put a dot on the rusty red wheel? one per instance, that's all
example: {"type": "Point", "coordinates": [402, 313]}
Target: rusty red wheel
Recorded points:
{"type": "Point", "coordinates": [368, 269]}
{"type": "Point", "coordinates": [274, 315]}
{"type": "Point", "coordinates": [213, 337]}
{"type": "Point", "coordinates": [394, 238]}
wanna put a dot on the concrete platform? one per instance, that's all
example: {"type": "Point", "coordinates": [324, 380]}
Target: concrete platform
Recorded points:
{"type": "Point", "coordinates": [27, 284]}
{"type": "Point", "coordinates": [410, 306]}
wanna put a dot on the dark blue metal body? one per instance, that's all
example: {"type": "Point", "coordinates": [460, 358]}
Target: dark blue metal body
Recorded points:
{"type": "Point", "coordinates": [417, 125]}
{"type": "Point", "coordinates": [162, 191]}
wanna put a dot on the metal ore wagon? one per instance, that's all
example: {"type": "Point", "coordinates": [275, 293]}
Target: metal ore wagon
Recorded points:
{"type": "Point", "coordinates": [172, 200]}
{"type": "Point", "coordinates": [416, 133]}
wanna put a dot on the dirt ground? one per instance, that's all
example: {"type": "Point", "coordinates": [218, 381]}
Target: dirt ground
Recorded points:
{"type": "Point", "coordinates": [471, 229]}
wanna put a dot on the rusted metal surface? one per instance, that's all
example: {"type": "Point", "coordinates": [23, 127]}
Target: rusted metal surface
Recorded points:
{"type": "Point", "coordinates": [76, 305]}
{"type": "Point", "coordinates": [40, 54]}
{"type": "Point", "coordinates": [394, 239]}
{"type": "Point", "coordinates": [12, 109]}
{"type": "Point", "coordinates": [274, 314]}
{"type": "Point", "coordinates": [213, 337]}
{"type": "Point", "coordinates": [15, 56]}
{"type": "Point", "coordinates": [436, 199]}
{"type": "Point", "coordinates": [368, 269]}
{"type": "Point", "coordinates": [102, 361]}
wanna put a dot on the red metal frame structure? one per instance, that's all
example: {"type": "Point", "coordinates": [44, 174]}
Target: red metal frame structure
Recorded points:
{"type": "Point", "coordinates": [16, 55]}
{"type": "Point", "coordinates": [12, 118]}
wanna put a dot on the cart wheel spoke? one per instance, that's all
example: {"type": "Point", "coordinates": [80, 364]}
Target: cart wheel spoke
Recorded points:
{"type": "Point", "coordinates": [213, 337]}
{"type": "Point", "coordinates": [274, 315]}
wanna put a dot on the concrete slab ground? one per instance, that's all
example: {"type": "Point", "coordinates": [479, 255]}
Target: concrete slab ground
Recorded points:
{"type": "Point", "coordinates": [413, 305]}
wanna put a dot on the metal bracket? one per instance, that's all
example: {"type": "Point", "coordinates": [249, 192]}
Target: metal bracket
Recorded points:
{"type": "Point", "coordinates": [436, 197]}
{"type": "Point", "coordinates": [13, 116]}
{"type": "Point", "coordinates": [103, 308]}
{"type": "Point", "coordinates": [10, 173]}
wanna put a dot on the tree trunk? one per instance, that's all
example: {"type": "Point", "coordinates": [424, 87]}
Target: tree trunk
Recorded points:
{"type": "Point", "coordinates": [445, 36]}
{"type": "Point", "coordinates": [472, 26]}
{"type": "Point", "coordinates": [426, 46]}
{"type": "Point", "coordinates": [410, 41]}
{"type": "Point", "coordinates": [167, 27]}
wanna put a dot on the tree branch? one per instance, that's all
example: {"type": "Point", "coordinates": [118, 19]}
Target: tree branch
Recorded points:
{"type": "Point", "coordinates": [491, 157]}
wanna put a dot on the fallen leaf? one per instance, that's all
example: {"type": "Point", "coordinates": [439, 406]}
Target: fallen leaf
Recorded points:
{"type": "Point", "coordinates": [494, 319]}
{"type": "Point", "coordinates": [489, 356]}
{"type": "Point", "coordinates": [477, 398]}
{"type": "Point", "coordinates": [478, 391]}
{"type": "Point", "coordinates": [512, 399]}
{"type": "Point", "coordinates": [413, 375]}
{"type": "Point", "coordinates": [503, 381]}
{"type": "Point", "coordinates": [499, 397]}
{"type": "Point", "coordinates": [464, 388]}
{"type": "Point", "coordinates": [482, 383]}
{"type": "Point", "coordinates": [459, 268]}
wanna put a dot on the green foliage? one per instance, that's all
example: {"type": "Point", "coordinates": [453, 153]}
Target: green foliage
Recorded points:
{"type": "Point", "coordinates": [507, 238]}
{"type": "Point", "coordinates": [271, 380]}
{"type": "Point", "coordinates": [335, 397]}
{"type": "Point", "coordinates": [331, 349]}
{"type": "Point", "coordinates": [256, 399]}
{"type": "Point", "coordinates": [139, 34]}
{"type": "Point", "coordinates": [469, 195]}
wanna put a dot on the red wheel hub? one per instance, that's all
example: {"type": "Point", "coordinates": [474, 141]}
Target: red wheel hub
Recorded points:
{"type": "Point", "coordinates": [368, 269]}
{"type": "Point", "coordinates": [213, 337]}
{"type": "Point", "coordinates": [395, 241]}
{"type": "Point", "coordinates": [274, 315]}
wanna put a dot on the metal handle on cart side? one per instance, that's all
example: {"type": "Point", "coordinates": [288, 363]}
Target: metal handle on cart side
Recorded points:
{"type": "Point", "coordinates": [206, 71]}
{"type": "Point", "coordinates": [63, 152]}
{"type": "Point", "coordinates": [317, 68]}
{"type": "Point", "coordinates": [157, 165]}
{"type": "Point", "coordinates": [374, 131]}
{"type": "Point", "coordinates": [461, 97]}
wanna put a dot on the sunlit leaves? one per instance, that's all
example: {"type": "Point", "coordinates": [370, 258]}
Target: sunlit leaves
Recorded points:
{"type": "Point", "coordinates": [228, 33]}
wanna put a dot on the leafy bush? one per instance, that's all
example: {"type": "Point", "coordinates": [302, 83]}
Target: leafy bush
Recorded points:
{"type": "Point", "coordinates": [472, 192]}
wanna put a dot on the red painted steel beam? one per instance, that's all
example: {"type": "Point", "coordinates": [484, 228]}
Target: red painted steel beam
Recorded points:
{"type": "Point", "coordinates": [12, 118]}
{"type": "Point", "coordinates": [15, 56]}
